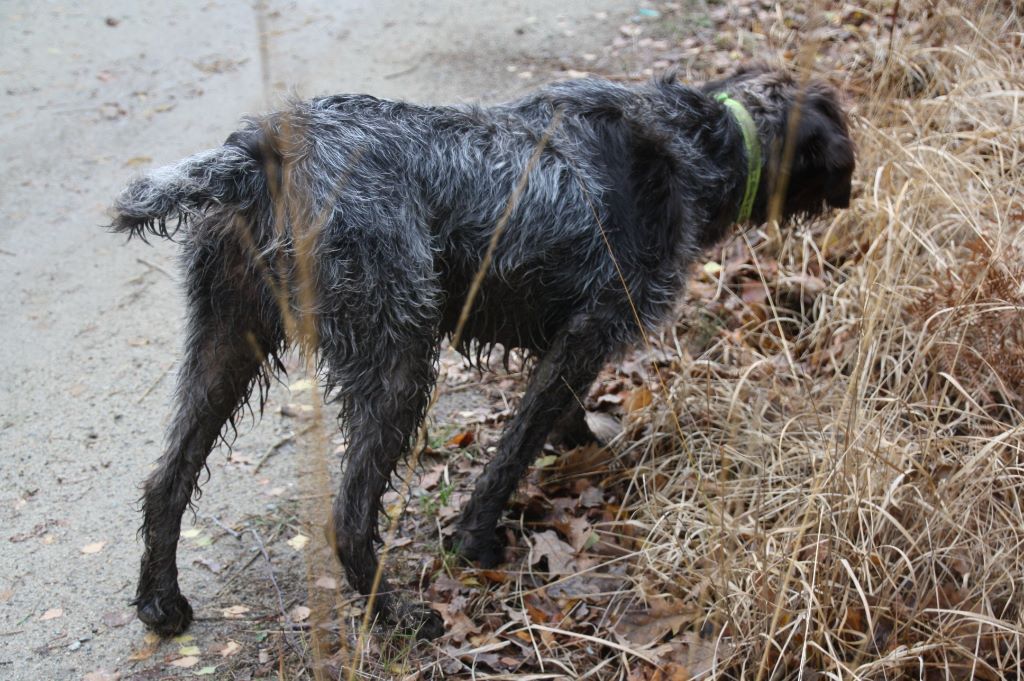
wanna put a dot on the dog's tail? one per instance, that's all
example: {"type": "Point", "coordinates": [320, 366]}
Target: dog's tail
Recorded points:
{"type": "Point", "coordinates": [233, 175]}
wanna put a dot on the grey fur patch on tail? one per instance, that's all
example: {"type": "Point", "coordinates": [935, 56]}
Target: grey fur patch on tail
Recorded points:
{"type": "Point", "coordinates": [226, 176]}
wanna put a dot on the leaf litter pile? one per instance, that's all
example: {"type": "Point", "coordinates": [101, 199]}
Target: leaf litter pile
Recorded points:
{"type": "Point", "coordinates": [816, 473]}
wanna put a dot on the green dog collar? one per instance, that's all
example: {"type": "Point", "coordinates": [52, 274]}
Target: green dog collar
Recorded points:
{"type": "Point", "coordinates": [753, 147]}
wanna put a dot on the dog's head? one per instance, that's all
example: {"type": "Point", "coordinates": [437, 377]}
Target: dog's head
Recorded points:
{"type": "Point", "coordinates": [808, 156]}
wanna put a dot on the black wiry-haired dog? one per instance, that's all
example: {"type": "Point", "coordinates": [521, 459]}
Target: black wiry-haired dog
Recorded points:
{"type": "Point", "coordinates": [366, 220]}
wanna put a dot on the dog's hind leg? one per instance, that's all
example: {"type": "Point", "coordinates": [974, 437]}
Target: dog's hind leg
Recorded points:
{"type": "Point", "coordinates": [563, 376]}
{"type": "Point", "coordinates": [384, 407]}
{"type": "Point", "coordinates": [232, 330]}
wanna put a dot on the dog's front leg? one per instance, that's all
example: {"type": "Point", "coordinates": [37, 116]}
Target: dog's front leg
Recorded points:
{"type": "Point", "coordinates": [562, 377]}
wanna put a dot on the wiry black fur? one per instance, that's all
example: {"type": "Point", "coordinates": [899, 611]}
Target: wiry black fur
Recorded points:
{"type": "Point", "coordinates": [353, 226]}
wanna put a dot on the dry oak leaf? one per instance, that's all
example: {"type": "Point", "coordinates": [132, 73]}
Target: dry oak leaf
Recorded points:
{"type": "Point", "coordinates": [185, 662]}
{"type": "Point", "coordinates": [235, 611]}
{"type": "Point", "coordinates": [326, 582]}
{"type": "Point", "coordinates": [230, 648]}
{"type": "Point", "coordinates": [462, 440]}
{"type": "Point", "coordinates": [95, 547]}
{"type": "Point", "coordinates": [52, 614]}
{"type": "Point", "coordinates": [118, 618]}
{"type": "Point", "coordinates": [560, 556]}
{"type": "Point", "coordinates": [298, 542]}
{"type": "Point", "coordinates": [637, 399]}
{"type": "Point", "coordinates": [665, 617]}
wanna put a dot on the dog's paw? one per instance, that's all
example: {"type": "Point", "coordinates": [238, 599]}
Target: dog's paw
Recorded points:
{"type": "Point", "coordinates": [417, 619]}
{"type": "Point", "coordinates": [411, 618]}
{"type": "Point", "coordinates": [486, 550]}
{"type": "Point", "coordinates": [167, 615]}
{"type": "Point", "coordinates": [571, 437]}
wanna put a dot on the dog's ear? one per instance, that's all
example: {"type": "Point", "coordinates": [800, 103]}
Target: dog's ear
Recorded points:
{"type": "Point", "coordinates": [824, 159]}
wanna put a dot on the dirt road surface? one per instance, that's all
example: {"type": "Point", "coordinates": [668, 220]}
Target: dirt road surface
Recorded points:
{"type": "Point", "coordinates": [91, 94]}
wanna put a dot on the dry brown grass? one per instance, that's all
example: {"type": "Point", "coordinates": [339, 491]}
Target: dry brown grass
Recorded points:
{"type": "Point", "coordinates": [843, 497]}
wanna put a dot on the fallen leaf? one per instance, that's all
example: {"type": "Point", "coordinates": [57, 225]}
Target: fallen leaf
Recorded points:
{"type": "Point", "coordinates": [205, 671]}
{"type": "Point", "coordinates": [190, 651]}
{"type": "Point", "coordinates": [579, 532]}
{"type": "Point", "coordinates": [642, 629]}
{"type": "Point", "coordinates": [637, 399]}
{"type": "Point", "coordinates": [299, 613]}
{"type": "Point", "coordinates": [539, 608]}
{"type": "Point", "coordinates": [185, 662]}
{"type": "Point", "coordinates": [460, 626]}
{"type": "Point", "coordinates": [191, 533]}
{"type": "Point", "coordinates": [182, 639]}
{"type": "Point", "coordinates": [95, 547]}
{"type": "Point", "coordinates": [560, 556]}
{"type": "Point", "coordinates": [326, 582]}
{"type": "Point", "coordinates": [138, 161]}
{"type": "Point", "coordinates": [234, 612]}
{"type": "Point", "coordinates": [52, 614]}
{"type": "Point", "coordinates": [462, 440]}
{"type": "Point", "coordinates": [230, 648]}
{"type": "Point", "coordinates": [496, 576]}
{"type": "Point", "coordinates": [605, 427]}
{"type": "Point", "coordinates": [298, 542]}
{"type": "Point", "coordinates": [6, 595]}
{"type": "Point", "coordinates": [695, 656]}
{"type": "Point", "coordinates": [711, 268]}
{"type": "Point", "coordinates": [545, 461]}
{"type": "Point", "coordinates": [150, 642]}
{"type": "Point", "coordinates": [118, 618]}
